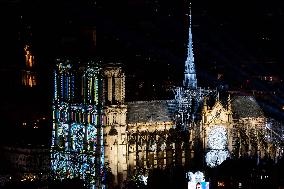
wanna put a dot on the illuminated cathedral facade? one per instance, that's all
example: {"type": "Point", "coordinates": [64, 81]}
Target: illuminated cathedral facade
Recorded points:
{"type": "Point", "coordinates": [93, 125]}
{"type": "Point", "coordinates": [77, 134]}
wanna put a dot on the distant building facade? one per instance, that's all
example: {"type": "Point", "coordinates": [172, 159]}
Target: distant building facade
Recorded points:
{"type": "Point", "coordinates": [28, 163]}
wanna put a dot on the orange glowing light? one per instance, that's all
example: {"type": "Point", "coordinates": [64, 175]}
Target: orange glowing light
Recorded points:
{"type": "Point", "coordinates": [221, 183]}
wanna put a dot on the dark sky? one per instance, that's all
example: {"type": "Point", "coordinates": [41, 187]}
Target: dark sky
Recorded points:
{"type": "Point", "coordinates": [238, 38]}
{"type": "Point", "coordinates": [224, 32]}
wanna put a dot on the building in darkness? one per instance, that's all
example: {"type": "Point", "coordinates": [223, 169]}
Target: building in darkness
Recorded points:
{"type": "Point", "coordinates": [198, 128]}
{"type": "Point", "coordinates": [24, 100]}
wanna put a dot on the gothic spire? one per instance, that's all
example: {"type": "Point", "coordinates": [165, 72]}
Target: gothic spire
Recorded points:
{"type": "Point", "coordinates": [190, 81]}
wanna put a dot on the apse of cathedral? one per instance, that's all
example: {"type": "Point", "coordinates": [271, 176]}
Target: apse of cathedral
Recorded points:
{"type": "Point", "coordinates": [93, 125]}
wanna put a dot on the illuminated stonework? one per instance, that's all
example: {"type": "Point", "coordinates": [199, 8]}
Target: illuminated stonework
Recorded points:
{"type": "Point", "coordinates": [115, 129]}
{"type": "Point", "coordinates": [195, 177]}
{"type": "Point", "coordinates": [190, 80]}
{"type": "Point", "coordinates": [144, 135]}
{"type": "Point", "coordinates": [216, 157]}
{"type": "Point", "coordinates": [218, 129]}
{"type": "Point", "coordinates": [93, 125]}
{"type": "Point", "coordinates": [217, 138]}
{"type": "Point", "coordinates": [77, 136]}
{"type": "Point", "coordinates": [217, 143]}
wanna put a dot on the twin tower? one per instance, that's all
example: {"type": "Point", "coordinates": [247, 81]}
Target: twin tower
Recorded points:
{"type": "Point", "coordinates": [87, 98]}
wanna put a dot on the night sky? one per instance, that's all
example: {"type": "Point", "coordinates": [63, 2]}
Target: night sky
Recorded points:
{"type": "Point", "coordinates": [239, 40]}
{"type": "Point", "coordinates": [154, 32]}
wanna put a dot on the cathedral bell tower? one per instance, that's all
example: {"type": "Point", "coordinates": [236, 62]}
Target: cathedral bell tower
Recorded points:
{"type": "Point", "coordinates": [115, 121]}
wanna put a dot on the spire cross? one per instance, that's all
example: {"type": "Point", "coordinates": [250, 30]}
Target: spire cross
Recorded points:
{"type": "Point", "coordinates": [189, 14]}
{"type": "Point", "coordinates": [190, 9]}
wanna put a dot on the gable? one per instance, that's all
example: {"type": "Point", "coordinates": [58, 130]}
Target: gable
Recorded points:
{"type": "Point", "coordinates": [218, 114]}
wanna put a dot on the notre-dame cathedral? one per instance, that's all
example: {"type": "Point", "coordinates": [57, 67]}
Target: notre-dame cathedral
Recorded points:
{"type": "Point", "coordinates": [93, 125]}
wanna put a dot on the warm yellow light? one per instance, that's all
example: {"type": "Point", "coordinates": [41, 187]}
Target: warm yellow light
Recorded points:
{"type": "Point", "coordinates": [29, 78]}
{"type": "Point", "coordinates": [29, 57]}
{"type": "Point", "coordinates": [221, 183]}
